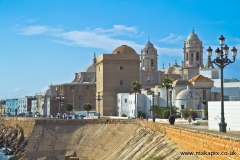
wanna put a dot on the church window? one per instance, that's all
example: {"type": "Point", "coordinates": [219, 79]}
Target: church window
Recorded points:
{"type": "Point", "coordinates": [187, 56]}
{"type": "Point", "coordinates": [192, 56]}
{"type": "Point", "coordinates": [159, 94]}
{"type": "Point", "coordinates": [125, 100]}
{"type": "Point", "coordinates": [121, 82]}
{"type": "Point", "coordinates": [152, 62]}
{"type": "Point", "coordinates": [204, 94]}
{"type": "Point", "coordinates": [80, 97]}
{"type": "Point", "coordinates": [121, 67]}
{"type": "Point", "coordinates": [80, 105]}
{"type": "Point", "coordinates": [143, 63]}
{"type": "Point", "coordinates": [89, 79]}
{"type": "Point", "coordinates": [197, 56]}
{"type": "Point", "coordinates": [80, 87]}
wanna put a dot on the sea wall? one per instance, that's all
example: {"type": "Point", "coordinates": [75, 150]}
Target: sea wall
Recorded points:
{"type": "Point", "coordinates": [104, 138]}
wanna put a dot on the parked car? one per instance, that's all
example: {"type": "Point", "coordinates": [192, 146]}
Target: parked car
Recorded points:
{"type": "Point", "coordinates": [38, 115]}
{"type": "Point", "coordinates": [49, 116]}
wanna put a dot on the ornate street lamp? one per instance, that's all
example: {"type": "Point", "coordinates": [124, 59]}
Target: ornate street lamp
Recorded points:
{"type": "Point", "coordinates": [170, 90]}
{"type": "Point", "coordinates": [221, 61]}
{"type": "Point", "coordinates": [153, 96]}
{"type": "Point", "coordinates": [99, 98]}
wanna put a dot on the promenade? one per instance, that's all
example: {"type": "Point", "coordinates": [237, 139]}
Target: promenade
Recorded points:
{"type": "Point", "coordinates": [185, 124]}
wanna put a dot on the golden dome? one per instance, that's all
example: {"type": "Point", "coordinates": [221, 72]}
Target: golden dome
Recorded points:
{"type": "Point", "coordinates": [124, 49]}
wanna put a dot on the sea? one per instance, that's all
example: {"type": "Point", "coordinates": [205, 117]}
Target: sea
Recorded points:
{"type": "Point", "coordinates": [2, 156]}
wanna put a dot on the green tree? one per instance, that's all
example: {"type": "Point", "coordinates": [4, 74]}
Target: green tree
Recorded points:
{"type": "Point", "coordinates": [69, 108]}
{"type": "Point", "coordinates": [135, 86]}
{"type": "Point", "coordinates": [185, 113]}
{"type": "Point", "coordinates": [166, 84]}
{"type": "Point", "coordinates": [87, 107]}
{"type": "Point", "coordinates": [166, 113]}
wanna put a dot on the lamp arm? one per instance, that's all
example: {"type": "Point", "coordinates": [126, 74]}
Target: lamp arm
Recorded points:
{"type": "Point", "coordinates": [228, 61]}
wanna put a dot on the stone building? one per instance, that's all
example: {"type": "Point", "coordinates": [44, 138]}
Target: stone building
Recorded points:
{"type": "Point", "coordinates": [115, 72]}
{"type": "Point", "coordinates": [81, 90]}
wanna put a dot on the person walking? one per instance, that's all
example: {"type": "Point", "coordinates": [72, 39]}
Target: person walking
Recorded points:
{"type": "Point", "coordinates": [189, 119]}
{"type": "Point", "coordinates": [171, 120]}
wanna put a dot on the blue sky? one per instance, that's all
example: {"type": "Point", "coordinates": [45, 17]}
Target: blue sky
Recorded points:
{"type": "Point", "coordinates": [47, 41]}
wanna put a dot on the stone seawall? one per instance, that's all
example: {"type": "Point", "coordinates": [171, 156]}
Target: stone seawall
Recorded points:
{"type": "Point", "coordinates": [111, 138]}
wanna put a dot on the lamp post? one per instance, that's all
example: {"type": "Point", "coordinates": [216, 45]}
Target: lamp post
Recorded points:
{"type": "Point", "coordinates": [221, 61]}
{"type": "Point", "coordinates": [170, 90]}
{"type": "Point", "coordinates": [153, 96]}
{"type": "Point", "coordinates": [73, 97]}
{"type": "Point", "coordinates": [60, 97]}
{"type": "Point", "coordinates": [99, 98]}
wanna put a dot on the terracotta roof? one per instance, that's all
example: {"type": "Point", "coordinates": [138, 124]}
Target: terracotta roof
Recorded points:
{"type": "Point", "coordinates": [200, 78]}
{"type": "Point", "coordinates": [180, 82]}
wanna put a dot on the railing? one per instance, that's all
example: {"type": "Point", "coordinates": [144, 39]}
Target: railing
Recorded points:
{"type": "Point", "coordinates": [232, 98]}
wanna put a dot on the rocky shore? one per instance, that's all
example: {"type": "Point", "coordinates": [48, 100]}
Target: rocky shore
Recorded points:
{"type": "Point", "coordinates": [12, 140]}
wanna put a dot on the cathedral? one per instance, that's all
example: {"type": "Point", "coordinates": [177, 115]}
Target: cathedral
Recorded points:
{"type": "Point", "coordinates": [113, 73]}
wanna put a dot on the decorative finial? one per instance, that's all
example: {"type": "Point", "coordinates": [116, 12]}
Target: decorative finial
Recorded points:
{"type": "Point", "coordinates": [94, 58]}
{"type": "Point", "coordinates": [148, 37]}
{"type": "Point", "coordinates": [175, 61]}
{"type": "Point", "coordinates": [169, 64]}
{"type": "Point", "coordinates": [163, 66]}
{"type": "Point", "coordinates": [193, 30]}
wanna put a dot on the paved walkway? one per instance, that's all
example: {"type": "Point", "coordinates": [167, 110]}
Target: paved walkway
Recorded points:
{"type": "Point", "coordinates": [200, 127]}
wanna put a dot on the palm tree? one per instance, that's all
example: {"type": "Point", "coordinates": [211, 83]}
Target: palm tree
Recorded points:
{"type": "Point", "coordinates": [69, 108]}
{"type": "Point", "coordinates": [167, 84]}
{"type": "Point", "coordinates": [87, 107]}
{"type": "Point", "coordinates": [135, 88]}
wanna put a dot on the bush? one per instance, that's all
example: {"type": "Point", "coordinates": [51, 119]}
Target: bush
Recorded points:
{"type": "Point", "coordinates": [124, 115]}
{"type": "Point", "coordinates": [165, 114]}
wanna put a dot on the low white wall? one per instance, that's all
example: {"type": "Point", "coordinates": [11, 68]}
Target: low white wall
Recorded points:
{"type": "Point", "coordinates": [232, 115]}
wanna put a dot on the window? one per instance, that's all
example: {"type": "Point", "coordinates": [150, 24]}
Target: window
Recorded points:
{"type": "Point", "coordinates": [152, 62]}
{"type": "Point", "coordinates": [147, 51]}
{"type": "Point", "coordinates": [143, 63]}
{"type": "Point", "coordinates": [159, 94]}
{"type": "Point", "coordinates": [187, 56]}
{"type": "Point", "coordinates": [197, 56]}
{"type": "Point", "coordinates": [80, 97]}
{"type": "Point", "coordinates": [182, 106]}
{"type": "Point", "coordinates": [121, 67]}
{"type": "Point", "coordinates": [125, 100]}
{"type": "Point", "coordinates": [80, 105]}
{"type": "Point", "coordinates": [192, 56]}
{"type": "Point", "coordinates": [80, 87]}
{"type": "Point", "coordinates": [89, 79]}
{"type": "Point", "coordinates": [204, 94]}
{"type": "Point", "coordinates": [215, 96]}
{"type": "Point", "coordinates": [121, 82]}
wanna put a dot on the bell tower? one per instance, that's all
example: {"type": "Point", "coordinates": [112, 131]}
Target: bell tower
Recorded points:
{"type": "Point", "coordinates": [193, 56]}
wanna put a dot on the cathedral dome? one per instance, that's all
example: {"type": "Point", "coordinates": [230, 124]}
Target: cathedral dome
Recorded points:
{"type": "Point", "coordinates": [188, 94]}
{"type": "Point", "coordinates": [192, 37]}
{"type": "Point", "coordinates": [91, 68]}
{"type": "Point", "coordinates": [50, 93]}
{"type": "Point", "coordinates": [124, 49]}
{"type": "Point", "coordinates": [149, 45]}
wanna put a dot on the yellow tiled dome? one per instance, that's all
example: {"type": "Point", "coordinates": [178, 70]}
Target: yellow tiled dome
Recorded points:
{"type": "Point", "coordinates": [124, 49]}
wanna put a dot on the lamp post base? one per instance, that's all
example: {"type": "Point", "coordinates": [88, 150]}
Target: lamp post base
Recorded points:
{"type": "Point", "coordinates": [222, 127]}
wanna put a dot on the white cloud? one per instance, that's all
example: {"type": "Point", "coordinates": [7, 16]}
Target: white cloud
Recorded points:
{"type": "Point", "coordinates": [117, 30]}
{"type": "Point", "coordinates": [102, 38]}
{"type": "Point", "coordinates": [18, 89]}
{"type": "Point", "coordinates": [34, 30]}
{"type": "Point", "coordinates": [172, 38]}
